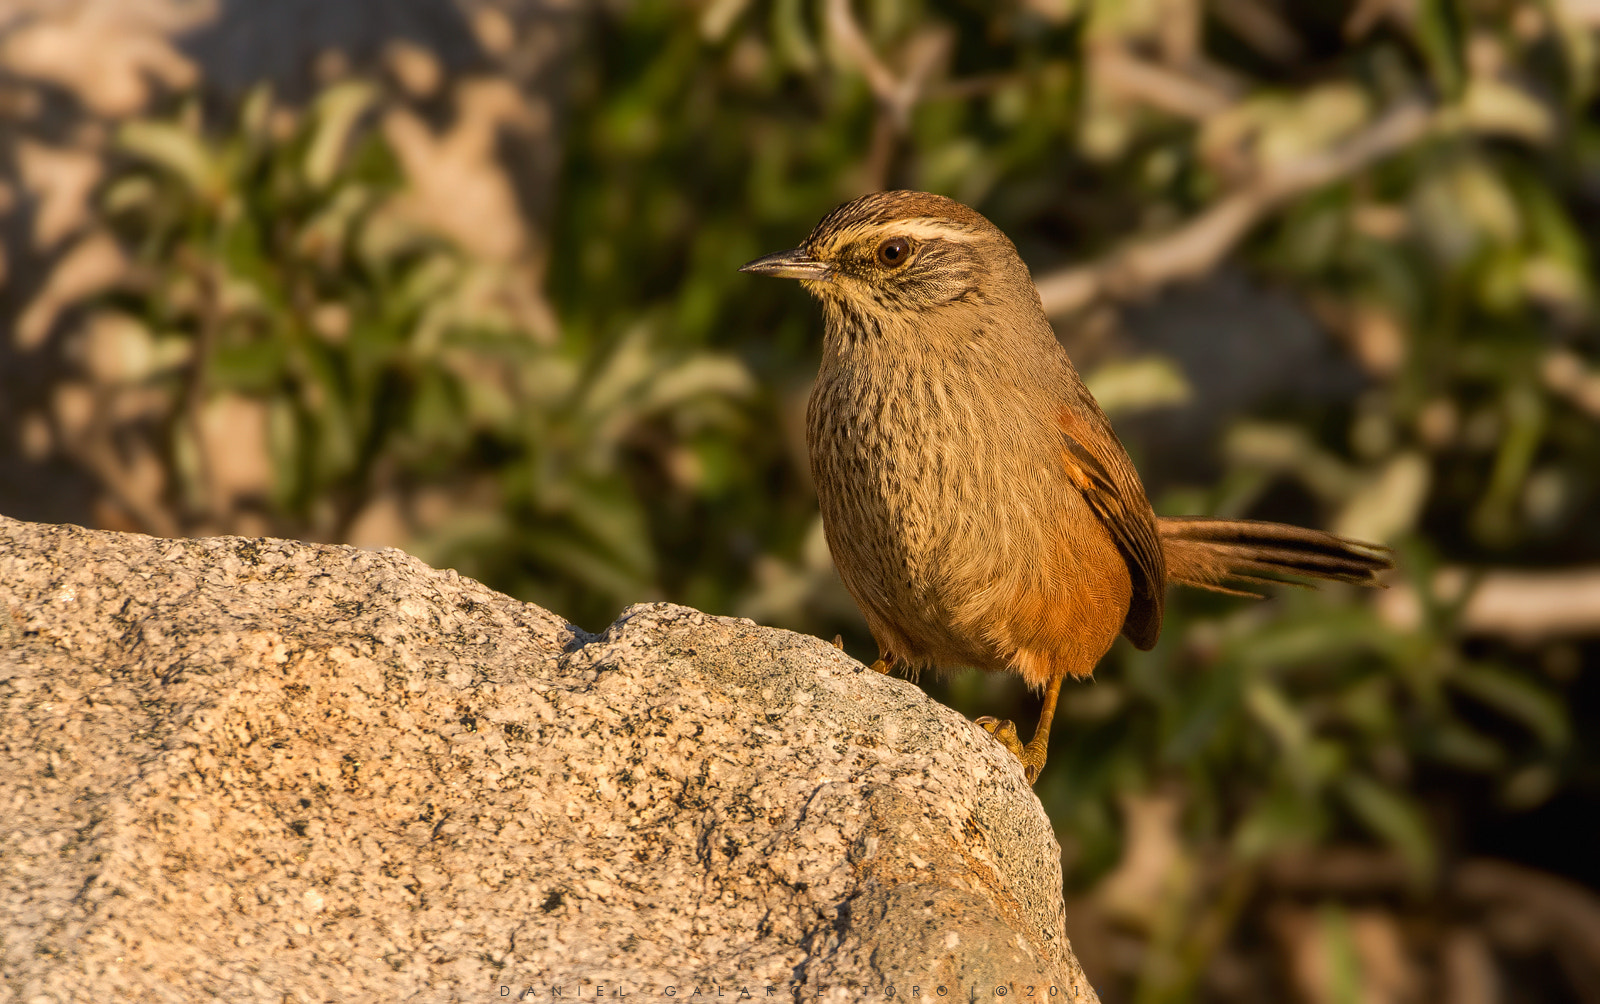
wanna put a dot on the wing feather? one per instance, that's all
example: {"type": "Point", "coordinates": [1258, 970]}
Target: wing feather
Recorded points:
{"type": "Point", "coordinates": [1101, 471]}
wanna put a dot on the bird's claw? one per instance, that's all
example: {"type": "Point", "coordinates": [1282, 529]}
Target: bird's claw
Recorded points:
{"type": "Point", "coordinates": [1005, 733]}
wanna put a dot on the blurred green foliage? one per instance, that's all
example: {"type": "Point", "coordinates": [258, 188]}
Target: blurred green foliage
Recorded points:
{"type": "Point", "coordinates": [650, 449]}
{"type": "Point", "coordinates": [279, 266]}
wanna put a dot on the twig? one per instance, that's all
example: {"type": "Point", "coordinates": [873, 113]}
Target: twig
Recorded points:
{"type": "Point", "coordinates": [1196, 247]}
{"type": "Point", "coordinates": [896, 95]}
{"type": "Point", "coordinates": [853, 45]}
{"type": "Point", "coordinates": [1342, 870]}
{"type": "Point", "coordinates": [1563, 912]}
{"type": "Point", "coordinates": [1522, 605]}
{"type": "Point", "coordinates": [1260, 27]}
{"type": "Point", "coordinates": [1123, 75]}
{"type": "Point", "coordinates": [976, 86]}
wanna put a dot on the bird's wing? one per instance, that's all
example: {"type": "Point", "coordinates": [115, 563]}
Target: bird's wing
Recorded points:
{"type": "Point", "coordinates": [1100, 469]}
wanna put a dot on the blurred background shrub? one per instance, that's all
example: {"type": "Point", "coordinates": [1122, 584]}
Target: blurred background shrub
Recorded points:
{"type": "Point", "coordinates": [458, 276]}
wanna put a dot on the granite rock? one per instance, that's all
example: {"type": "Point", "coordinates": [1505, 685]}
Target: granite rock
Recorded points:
{"type": "Point", "coordinates": [270, 770]}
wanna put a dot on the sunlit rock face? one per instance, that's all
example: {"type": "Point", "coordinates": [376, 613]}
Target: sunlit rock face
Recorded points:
{"type": "Point", "coordinates": [260, 768]}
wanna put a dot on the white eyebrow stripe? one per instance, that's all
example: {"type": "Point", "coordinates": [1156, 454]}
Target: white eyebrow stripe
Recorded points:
{"type": "Point", "coordinates": [926, 228]}
{"type": "Point", "coordinates": [916, 228]}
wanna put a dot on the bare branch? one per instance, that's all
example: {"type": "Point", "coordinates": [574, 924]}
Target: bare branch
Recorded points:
{"type": "Point", "coordinates": [976, 86]}
{"type": "Point", "coordinates": [852, 42]}
{"type": "Point", "coordinates": [1260, 27]}
{"type": "Point", "coordinates": [1196, 247]}
{"type": "Point", "coordinates": [1519, 605]}
{"type": "Point", "coordinates": [896, 96]}
{"type": "Point", "coordinates": [1123, 75]}
{"type": "Point", "coordinates": [1561, 911]}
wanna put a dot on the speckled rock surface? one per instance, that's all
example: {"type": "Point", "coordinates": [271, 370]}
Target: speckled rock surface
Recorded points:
{"type": "Point", "coordinates": [266, 770]}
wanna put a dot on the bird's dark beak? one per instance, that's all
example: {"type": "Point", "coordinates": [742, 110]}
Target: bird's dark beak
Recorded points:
{"type": "Point", "coordinates": [794, 264]}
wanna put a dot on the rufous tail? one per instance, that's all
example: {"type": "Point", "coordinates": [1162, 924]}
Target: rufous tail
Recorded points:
{"type": "Point", "coordinates": [1210, 553]}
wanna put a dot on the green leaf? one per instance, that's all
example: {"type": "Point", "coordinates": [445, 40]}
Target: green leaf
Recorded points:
{"type": "Point", "coordinates": [255, 114]}
{"type": "Point", "coordinates": [1439, 35]}
{"type": "Point", "coordinates": [700, 375]}
{"type": "Point", "coordinates": [1269, 707]}
{"type": "Point", "coordinates": [582, 562]}
{"type": "Point", "coordinates": [178, 151]}
{"type": "Point", "coordinates": [1345, 982]}
{"type": "Point", "coordinates": [791, 38]}
{"type": "Point", "coordinates": [1151, 381]}
{"type": "Point", "coordinates": [1517, 697]}
{"type": "Point", "coordinates": [130, 194]}
{"type": "Point", "coordinates": [1395, 818]}
{"type": "Point", "coordinates": [1285, 817]}
{"type": "Point", "coordinates": [1461, 747]}
{"type": "Point", "coordinates": [286, 448]}
{"type": "Point", "coordinates": [613, 518]}
{"type": "Point", "coordinates": [1205, 716]}
{"type": "Point", "coordinates": [1325, 634]}
{"type": "Point", "coordinates": [1524, 415]}
{"type": "Point", "coordinates": [256, 365]}
{"type": "Point", "coordinates": [336, 112]}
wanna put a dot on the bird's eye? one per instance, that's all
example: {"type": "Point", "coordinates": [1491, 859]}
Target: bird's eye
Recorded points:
{"type": "Point", "coordinates": [893, 252]}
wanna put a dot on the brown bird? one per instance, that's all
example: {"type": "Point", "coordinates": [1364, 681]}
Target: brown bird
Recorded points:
{"type": "Point", "coordinates": [978, 505]}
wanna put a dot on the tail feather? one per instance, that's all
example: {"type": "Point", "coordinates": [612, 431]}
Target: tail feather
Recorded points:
{"type": "Point", "coordinates": [1207, 553]}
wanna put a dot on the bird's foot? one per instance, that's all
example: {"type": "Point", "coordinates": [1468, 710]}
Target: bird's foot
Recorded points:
{"type": "Point", "coordinates": [1005, 733]}
{"type": "Point", "coordinates": [883, 665]}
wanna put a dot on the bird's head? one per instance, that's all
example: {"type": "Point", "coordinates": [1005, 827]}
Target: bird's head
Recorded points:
{"type": "Point", "coordinates": [896, 256]}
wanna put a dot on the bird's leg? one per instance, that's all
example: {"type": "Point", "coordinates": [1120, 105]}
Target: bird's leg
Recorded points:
{"type": "Point", "coordinates": [1031, 756]}
{"type": "Point", "coordinates": [886, 661]}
